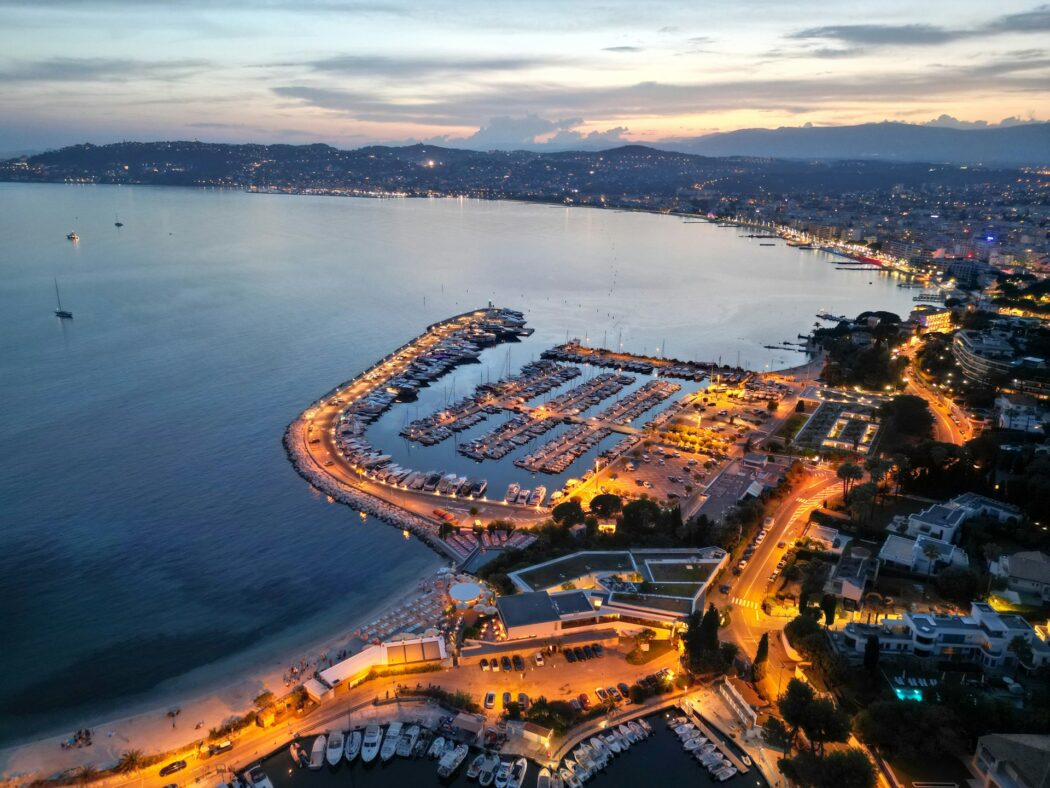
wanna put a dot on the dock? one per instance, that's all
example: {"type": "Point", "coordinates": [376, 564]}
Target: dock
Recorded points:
{"type": "Point", "coordinates": [687, 709]}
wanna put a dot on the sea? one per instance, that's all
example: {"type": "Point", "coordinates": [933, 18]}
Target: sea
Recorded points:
{"type": "Point", "coordinates": [154, 539]}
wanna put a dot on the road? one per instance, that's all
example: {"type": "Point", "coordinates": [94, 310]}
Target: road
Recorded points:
{"type": "Point", "coordinates": [748, 622]}
{"type": "Point", "coordinates": [945, 428]}
{"type": "Point", "coordinates": [557, 679]}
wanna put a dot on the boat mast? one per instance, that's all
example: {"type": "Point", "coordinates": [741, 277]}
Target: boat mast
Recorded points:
{"type": "Point", "coordinates": [57, 296]}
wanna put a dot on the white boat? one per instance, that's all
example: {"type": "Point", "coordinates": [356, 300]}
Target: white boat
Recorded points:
{"type": "Point", "coordinates": [437, 748]}
{"type": "Point", "coordinates": [488, 769]}
{"type": "Point", "coordinates": [408, 741]}
{"type": "Point", "coordinates": [353, 746]}
{"type": "Point", "coordinates": [544, 778]}
{"type": "Point", "coordinates": [298, 756]}
{"type": "Point", "coordinates": [627, 733]}
{"type": "Point", "coordinates": [371, 743]}
{"type": "Point", "coordinates": [556, 780]}
{"type": "Point", "coordinates": [692, 744]}
{"type": "Point", "coordinates": [512, 492]}
{"type": "Point", "coordinates": [451, 760]}
{"type": "Point", "coordinates": [623, 741]}
{"type": "Point", "coordinates": [724, 774]}
{"type": "Point", "coordinates": [475, 765]}
{"type": "Point", "coordinates": [612, 743]}
{"type": "Point", "coordinates": [333, 752]}
{"type": "Point", "coordinates": [390, 741]}
{"type": "Point", "coordinates": [503, 775]}
{"type": "Point", "coordinates": [569, 779]}
{"type": "Point", "coordinates": [645, 725]}
{"type": "Point", "coordinates": [517, 773]}
{"type": "Point", "coordinates": [317, 752]}
{"type": "Point", "coordinates": [600, 749]}
{"type": "Point", "coordinates": [257, 778]}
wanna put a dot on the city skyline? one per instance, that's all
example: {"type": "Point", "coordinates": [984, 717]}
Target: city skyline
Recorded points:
{"type": "Point", "coordinates": [502, 76]}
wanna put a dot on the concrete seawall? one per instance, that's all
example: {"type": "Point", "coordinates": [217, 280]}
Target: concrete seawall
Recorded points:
{"type": "Point", "coordinates": [425, 530]}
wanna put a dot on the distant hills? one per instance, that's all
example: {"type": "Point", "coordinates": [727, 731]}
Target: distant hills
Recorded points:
{"type": "Point", "coordinates": [1027, 143]}
{"type": "Point", "coordinates": [628, 176]}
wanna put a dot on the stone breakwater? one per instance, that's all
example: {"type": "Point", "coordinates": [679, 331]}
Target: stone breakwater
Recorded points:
{"type": "Point", "coordinates": [424, 529]}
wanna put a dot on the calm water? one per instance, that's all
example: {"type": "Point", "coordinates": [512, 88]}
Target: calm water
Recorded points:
{"type": "Point", "coordinates": [150, 524]}
{"type": "Point", "coordinates": [661, 754]}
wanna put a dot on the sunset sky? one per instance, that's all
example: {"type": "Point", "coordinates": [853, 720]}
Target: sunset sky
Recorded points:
{"type": "Point", "coordinates": [505, 74]}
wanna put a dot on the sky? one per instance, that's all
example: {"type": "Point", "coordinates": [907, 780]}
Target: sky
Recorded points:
{"type": "Point", "coordinates": [531, 73]}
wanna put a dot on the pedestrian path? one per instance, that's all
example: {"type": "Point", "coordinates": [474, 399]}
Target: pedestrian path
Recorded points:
{"type": "Point", "coordinates": [746, 603]}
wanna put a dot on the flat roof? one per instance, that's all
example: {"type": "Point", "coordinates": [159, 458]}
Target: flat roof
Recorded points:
{"type": "Point", "coordinates": [572, 602]}
{"type": "Point", "coordinates": [533, 607]}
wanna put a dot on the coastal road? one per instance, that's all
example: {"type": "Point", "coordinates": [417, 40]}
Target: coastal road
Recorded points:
{"type": "Point", "coordinates": [747, 621]}
{"type": "Point", "coordinates": [945, 428]}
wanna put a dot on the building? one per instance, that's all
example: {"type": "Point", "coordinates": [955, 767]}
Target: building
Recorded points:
{"type": "Point", "coordinates": [1027, 572]}
{"type": "Point", "coordinates": [823, 537]}
{"type": "Point", "coordinates": [626, 588]}
{"type": "Point", "coordinates": [983, 355]}
{"type": "Point", "coordinates": [932, 319]}
{"type": "Point", "coordinates": [923, 555]}
{"type": "Point", "coordinates": [1012, 760]}
{"type": "Point", "coordinates": [1025, 414]}
{"type": "Point", "coordinates": [981, 638]}
{"type": "Point", "coordinates": [851, 577]}
{"type": "Point", "coordinates": [407, 653]}
{"type": "Point", "coordinates": [942, 521]}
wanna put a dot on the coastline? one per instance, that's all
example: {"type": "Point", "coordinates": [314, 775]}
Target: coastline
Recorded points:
{"type": "Point", "coordinates": [143, 723]}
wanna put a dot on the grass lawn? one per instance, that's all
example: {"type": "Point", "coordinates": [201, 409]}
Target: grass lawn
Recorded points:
{"type": "Point", "coordinates": [680, 573]}
{"type": "Point", "coordinates": [573, 566]}
{"type": "Point", "coordinates": [791, 427]}
{"type": "Point", "coordinates": [657, 648]}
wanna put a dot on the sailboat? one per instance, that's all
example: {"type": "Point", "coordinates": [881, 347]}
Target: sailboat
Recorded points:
{"type": "Point", "coordinates": [117, 222]}
{"type": "Point", "coordinates": [65, 314]}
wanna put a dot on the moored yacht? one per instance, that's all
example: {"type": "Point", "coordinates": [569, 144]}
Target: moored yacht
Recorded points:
{"type": "Point", "coordinates": [353, 745]}
{"type": "Point", "coordinates": [408, 741]}
{"type": "Point", "coordinates": [390, 742]}
{"type": "Point", "coordinates": [371, 743]}
{"type": "Point", "coordinates": [334, 751]}
{"type": "Point", "coordinates": [452, 759]}
{"type": "Point", "coordinates": [317, 752]}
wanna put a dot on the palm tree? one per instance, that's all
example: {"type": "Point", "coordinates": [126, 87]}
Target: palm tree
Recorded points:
{"type": "Point", "coordinates": [86, 774]}
{"type": "Point", "coordinates": [1021, 649]}
{"type": "Point", "coordinates": [929, 549]}
{"type": "Point", "coordinates": [849, 473]}
{"type": "Point", "coordinates": [130, 761]}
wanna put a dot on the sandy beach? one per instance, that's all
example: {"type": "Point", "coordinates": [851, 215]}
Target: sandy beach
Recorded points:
{"type": "Point", "coordinates": [146, 725]}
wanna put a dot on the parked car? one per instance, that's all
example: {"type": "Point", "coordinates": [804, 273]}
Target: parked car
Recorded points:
{"type": "Point", "coordinates": [171, 768]}
{"type": "Point", "coordinates": [585, 702]}
{"type": "Point", "coordinates": [523, 701]}
{"type": "Point", "coordinates": [576, 705]}
{"type": "Point", "coordinates": [506, 699]}
{"type": "Point", "coordinates": [598, 649]}
{"type": "Point", "coordinates": [614, 694]}
{"type": "Point", "coordinates": [724, 588]}
{"type": "Point", "coordinates": [484, 664]}
{"type": "Point", "coordinates": [539, 660]}
{"type": "Point", "coordinates": [569, 656]}
{"type": "Point", "coordinates": [588, 652]}
{"type": "Point", "coordinates": [519, 663]}
{"type": "Point", "coordinates": [504, 663]}
{"type": "Point", "coordinates": [579, 653]}
{"type": "Point", "coordinates": [602, 694]}
{"type": "Point", "coordinates": [490, 700]}
{"type": "Point", "coordinates": [624, 690]}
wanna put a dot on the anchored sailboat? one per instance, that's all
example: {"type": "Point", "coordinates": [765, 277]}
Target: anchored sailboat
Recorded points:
{"type": "Point", "coordinates": [65, 314]}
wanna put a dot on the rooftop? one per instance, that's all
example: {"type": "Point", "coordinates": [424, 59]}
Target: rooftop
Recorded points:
{"type": "Point", "coordinates": [533, 607]}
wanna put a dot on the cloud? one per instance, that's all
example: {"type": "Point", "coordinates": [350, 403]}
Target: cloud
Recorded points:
{"type": "Point", "coordinates": [100, 69]}
{"type": "Point", "coordinates": [507, 132]}
{"type": "Point", "coordinates": [1035, 21]}
{"type": "Point", "coordinates": [622, 49]}
{"type": "Point", "coordinates": [401, 67]}
{"type": "Point", "coordinates": [950, 122]}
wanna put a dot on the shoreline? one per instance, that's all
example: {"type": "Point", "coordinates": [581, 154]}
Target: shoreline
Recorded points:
{"type": "Point", "coordinates": [144, 724]}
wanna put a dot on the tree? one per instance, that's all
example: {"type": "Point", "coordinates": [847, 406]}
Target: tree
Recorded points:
{"type": "Point", "coordinates": [130, 761]}
{"type": "Point", "coordinates": [709, 628]}
{"type": "Point", "coordinates": [829, 603]}
{"type": "Point", "coordinates": [823, 722]}
{"type": "Point", "coordinates": [761, 657]}
{"type": "Point", "coordinates": [606, 505]}
{"type": "Point", "coordinates": [568, 514]}
{"type": "Point", "coordinates": [958, 584]}
{"type": "Point", "coordinates": [771, 406]}
{"type": "Point", "coordinates": [848, 768]}
{"type": "Point", "coordinates": [849, 473]}
{"type": "Point", "coordinates": [872, 650]}
{"type": "Point", "coordinates": [793, 704]}
{"type": "Point", "coordinates": [776, 733]}
{"type": "Point", "coordinates": [800, 407]}
{"type": "Point", "coordinates": [931, 553]}
{"type": "Point", "coordinates": [800, 628]}
{"type": "Point", "coordinates": [862, 501]}
{"type": "Point", "coordinates": [1021, 649]}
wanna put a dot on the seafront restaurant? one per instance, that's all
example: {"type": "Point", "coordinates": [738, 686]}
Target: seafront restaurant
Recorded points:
{"type": "Point", "coordinates": [407, 654]}
{"type": "Point", "coordinates": [626, 590]}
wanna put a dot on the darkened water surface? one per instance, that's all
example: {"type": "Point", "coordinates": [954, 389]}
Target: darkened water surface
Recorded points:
{"type": "Point", "coordinates": [149, 521]}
